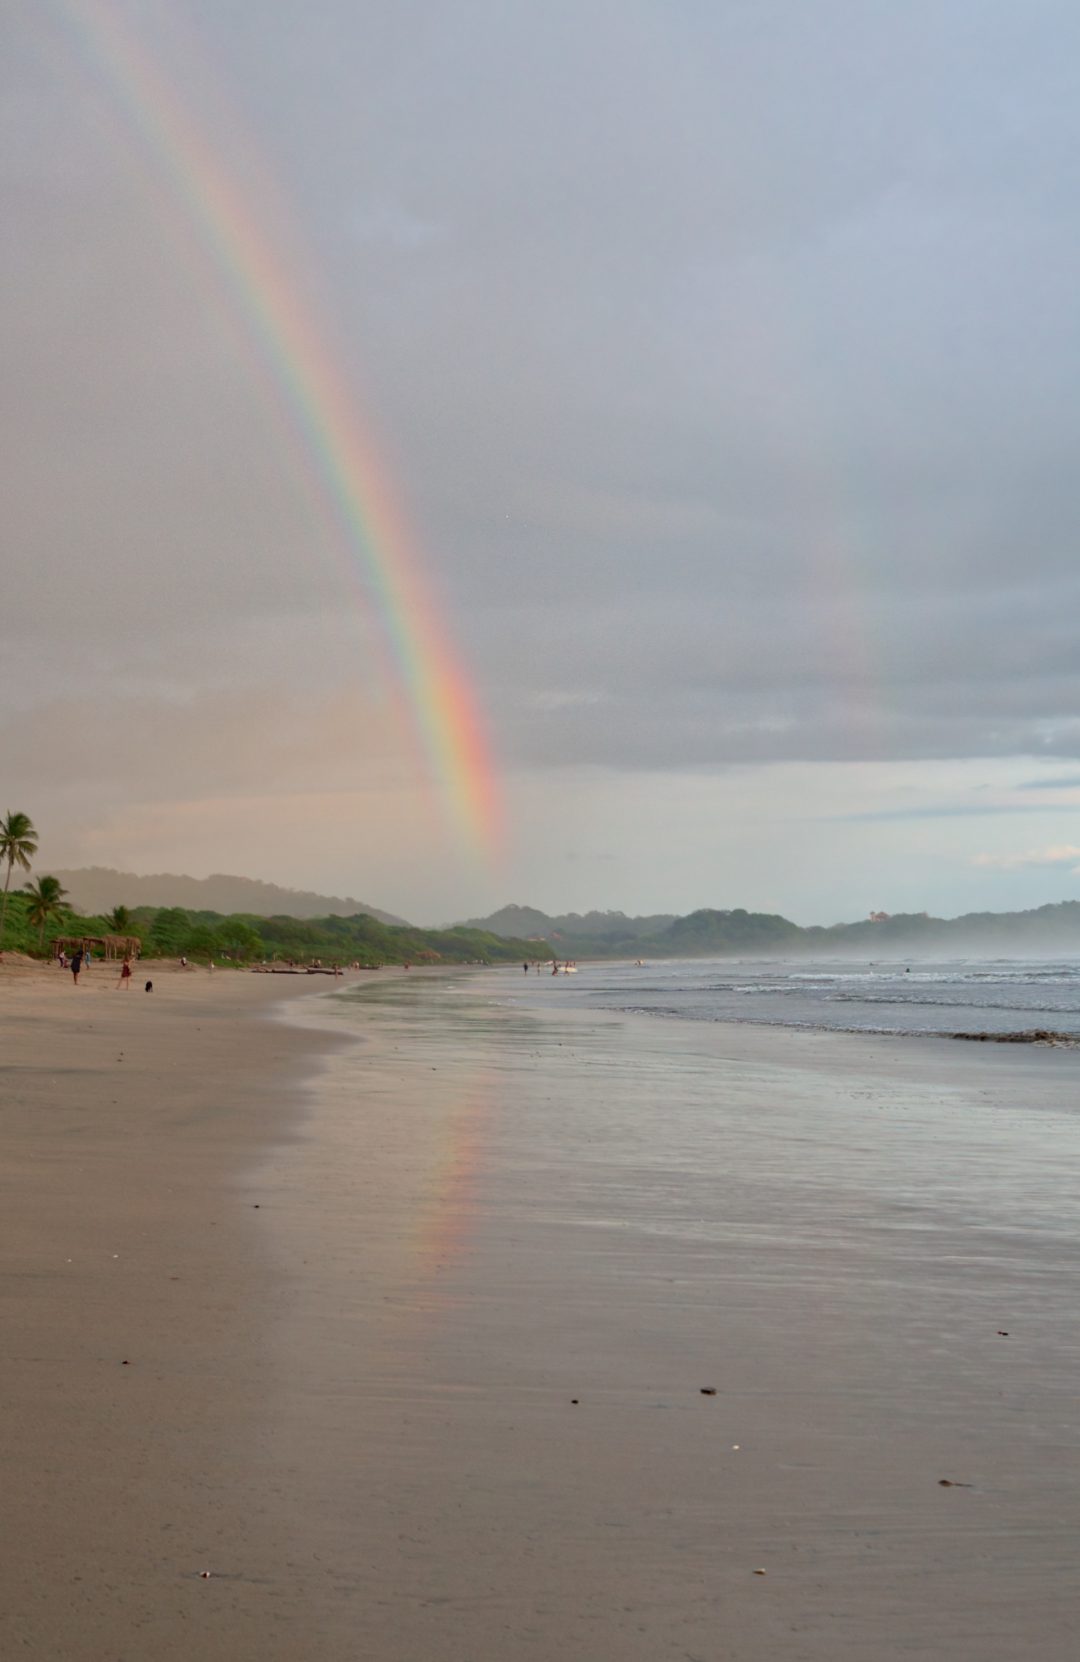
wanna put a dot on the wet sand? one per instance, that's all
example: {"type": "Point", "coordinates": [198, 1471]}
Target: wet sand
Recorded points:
{"type": "Point", "coordinates": [136, 1301]}
{"type": "Point", "coordinates": [356, 1406]}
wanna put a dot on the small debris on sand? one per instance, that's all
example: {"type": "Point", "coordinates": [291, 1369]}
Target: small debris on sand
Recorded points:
{"type": "Point", "coordinates": [759, 1572]}
{"type": "Point", "coordinates": [708, 1390]}
{"type": "Point", "coordinates": [951, 1483]}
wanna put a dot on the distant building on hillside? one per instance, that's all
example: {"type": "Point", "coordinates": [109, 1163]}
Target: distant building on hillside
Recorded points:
{"type": "Point", "coordinates": [879, 917]}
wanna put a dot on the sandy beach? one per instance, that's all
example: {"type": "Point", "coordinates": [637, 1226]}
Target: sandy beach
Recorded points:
{"type": "Point", "coordinates": [396, 1316]}
{"type": "Point", "coordinates": [136, 1305]}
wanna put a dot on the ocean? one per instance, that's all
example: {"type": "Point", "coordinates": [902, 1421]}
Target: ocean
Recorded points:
{"type": "Point", "coordinates": [967, 997]}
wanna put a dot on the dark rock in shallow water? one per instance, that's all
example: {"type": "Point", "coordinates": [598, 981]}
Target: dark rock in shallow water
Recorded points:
{"type": "Point", "coordinates": [1030, 1036]}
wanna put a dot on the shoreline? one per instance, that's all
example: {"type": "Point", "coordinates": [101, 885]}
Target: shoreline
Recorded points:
{"type": "Point", "coordinates": [893, 1043]}
{"type": "Point", "coordinates": [1027, 1025]}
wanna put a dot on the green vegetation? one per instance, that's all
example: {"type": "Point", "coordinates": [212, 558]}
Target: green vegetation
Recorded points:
{"type": "Point", "coordinates": [706, 932]}
{"type": "Point", "coordinates": [173, 932]}
{"type": "Point", "coordinates": [18, 844]}
{"type": "Point", "coordinates": [45, 904]}
{"type": "Point", "coordinates": [245, 938]}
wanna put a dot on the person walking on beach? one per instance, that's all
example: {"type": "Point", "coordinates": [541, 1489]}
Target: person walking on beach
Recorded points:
{"type": "Point", "coordinates": [125, 974]}
{"type": "Point", "coordinates": [76, 965]}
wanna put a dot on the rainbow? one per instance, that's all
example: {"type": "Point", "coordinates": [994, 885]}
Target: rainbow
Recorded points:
{"type": "Point", "coordinates": [458, 1133]}
{"type": "Point", "coordinates": [338, 449]}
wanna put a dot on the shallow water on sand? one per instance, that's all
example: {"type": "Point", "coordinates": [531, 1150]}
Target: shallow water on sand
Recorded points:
{"type": "Point", "coordinates": [522, 1240]}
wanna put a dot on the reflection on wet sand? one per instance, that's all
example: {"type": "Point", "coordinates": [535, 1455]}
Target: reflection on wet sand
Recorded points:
{"type": "Point", "coordinates": [538, 1235]}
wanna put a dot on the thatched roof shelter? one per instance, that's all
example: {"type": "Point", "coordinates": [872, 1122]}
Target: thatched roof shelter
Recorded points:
{"type": "Point", "coordinates": [112, 946]}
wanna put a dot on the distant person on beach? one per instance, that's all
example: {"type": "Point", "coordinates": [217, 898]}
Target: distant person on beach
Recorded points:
{"type": "Point", "coordinates": [125, 974]}
{"type": "Point", "coordinates": [525, 967]}
{"type": "Point", "coordinates": [76, 966]}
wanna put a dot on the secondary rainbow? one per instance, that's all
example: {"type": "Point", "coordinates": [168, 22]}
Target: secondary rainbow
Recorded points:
{"type": "Point", "coordinates": [339, 450]}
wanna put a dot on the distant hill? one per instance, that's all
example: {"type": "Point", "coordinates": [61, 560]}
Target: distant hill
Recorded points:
{"type": "Point", "coordinates": [661, 934]}
{"type": "Point", "coordinates": [97, 889]}
{"type": "Point", "coordinates": [1043, 931]}
{"type": "Point", "coordinates": [594, 933]}
{"type": "Point", "coordinates": [706, 932]}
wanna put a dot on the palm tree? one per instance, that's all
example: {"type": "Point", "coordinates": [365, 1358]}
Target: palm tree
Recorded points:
{"type": "Point", "coordinates": [18, 841]}
{"type": "Point", "coordinates": [119, 920]}
{"type": "Point", "coordinates": [46, 902]}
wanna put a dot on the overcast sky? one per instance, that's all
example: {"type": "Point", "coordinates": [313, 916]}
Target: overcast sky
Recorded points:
{"type": "Point", "coordinates": [724, 354]}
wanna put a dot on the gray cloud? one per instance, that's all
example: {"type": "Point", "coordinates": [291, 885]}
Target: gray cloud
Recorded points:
{"type": "Point", "coordinates": [721, 354]}
{"type": "Point", "coordinates": [947, 810]}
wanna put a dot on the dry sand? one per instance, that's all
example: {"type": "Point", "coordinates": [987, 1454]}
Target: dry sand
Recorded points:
{"type": "Point", "coordinates": [355, 1404]}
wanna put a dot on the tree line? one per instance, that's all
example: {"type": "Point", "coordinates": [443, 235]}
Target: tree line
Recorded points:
{"type": "Point", "coordinates": [242, 938]}
{"type": "Point", "coordinates": [44, 902]}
